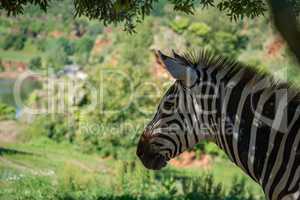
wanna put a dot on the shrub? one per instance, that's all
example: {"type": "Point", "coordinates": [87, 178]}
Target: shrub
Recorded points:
{"type": "Point", "coordinates": [212, 149]}
{"type": "Point", "coordinates": [67, 45]}
{"type": "Point", "coordinates": [199, 29]}
{"type": "Point", "coordinates": [135, 48]}
{"type": "Point", "coordinates": [95, 29]}
{"type": "Point", "coordinates": [128, 180]}
{"type": "Point", "coordinates": [84, 45]}
{"type": "Point", "coordinates": [55, 127]}
{"type": "Point", "coordinates": [16, 42]}
{"type": "Point", "coordinates": [36, 27]}
{"type": "Point", "coordinates": [136, 182]}
{"type": "Point", "coordinates": [83, 48]}
{"type": "Point", "coordinates": [35, 63]}
{"type": "Point", "coordinates": [57, 59]}
{"type": "Point", "coordinates": [2, 69]}
{"type": "Point", "coordinates": [225, 43]}
{"type": "Point", "coordinates": [180, 24]}
{"type": "Point", "coordinates": [8, 41]}
{"type": "Point", "coordinates": [6, 111]}
{"type": "Point", "coordinates": [238, 191]}
{"type": "Point", "coordinates": [25, 187]}
{"type": "Point", "coordinates": [41, 44]}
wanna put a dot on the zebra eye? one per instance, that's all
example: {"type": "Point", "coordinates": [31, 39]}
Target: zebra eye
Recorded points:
{"type": "Point", "coordinates": [169, 103]}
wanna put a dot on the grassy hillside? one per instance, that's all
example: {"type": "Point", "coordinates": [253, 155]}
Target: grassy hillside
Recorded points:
{"type": "Point", "coordinates": [83, 146]}
{"type": "Point", "coordinates": [47, 170]}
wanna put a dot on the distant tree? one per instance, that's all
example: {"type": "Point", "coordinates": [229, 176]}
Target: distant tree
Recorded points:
{"type": "Point", "coordinates": [84, 45]}
{"type": "Point", "coordinates": [57, 59]}
{"type": "Point", "coordinates": [67, 45]}
{"type": "Point", "coordinates": [225, 43]}
{"type": "Point", "coordinates": [200, 29]}
{"type": "Point", "coordinates": [36, 27]}
{"type": "Point", "coordinates": [179, 25]}
{"type": "Point", "coordinates": [7, 112]}
{"type": "Point", "coordinates": [35, 63]}
{"type": "Point", "coordinates": [16, 42]}
{"type": "Point", "coordinates": [8, 41]}
{"type": "Point", "coordinates": [83, 48]}
{"type": "Point", "coordinates": [131, 12]}
{"type": "Point", "coordinates": [94, 29]}
{"type": "Point", "coordinates": [19, 42]}
{"type": "Point", "coordinates": [2, 69]}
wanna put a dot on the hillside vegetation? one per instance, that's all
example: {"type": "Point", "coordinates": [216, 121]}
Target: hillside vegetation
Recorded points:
{"type": "Point", "coordinates": [82, 144]}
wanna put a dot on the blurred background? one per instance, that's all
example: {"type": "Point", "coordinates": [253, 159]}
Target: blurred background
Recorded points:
{"type": "Point", "coordinates": [75, 96]}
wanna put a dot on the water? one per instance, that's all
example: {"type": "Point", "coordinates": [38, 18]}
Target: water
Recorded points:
{"type": "Point", "coordinates": [7, 91]}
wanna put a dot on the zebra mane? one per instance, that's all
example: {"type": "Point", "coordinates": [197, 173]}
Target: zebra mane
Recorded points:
{"type": "Point", "coordinates": [205, 59]}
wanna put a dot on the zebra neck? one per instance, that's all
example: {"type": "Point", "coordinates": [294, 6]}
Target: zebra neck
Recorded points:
{"type": "Point", "coordinates": [235, 116]}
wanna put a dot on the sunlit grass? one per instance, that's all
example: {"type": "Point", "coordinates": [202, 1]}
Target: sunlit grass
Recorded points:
{"type": "Point", "coordinates": [53, 159]}
{"type": "Point", "coordinates": [11, 55]}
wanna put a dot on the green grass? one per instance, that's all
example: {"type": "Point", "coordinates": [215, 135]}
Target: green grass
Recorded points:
{"type": "Point", "coordinates": [223, 172]}
{"type": "Point", "coordinates": [44, 153]}
{"type": "Point", "coordinates": [64, 161]}
{"type": "Point", "coordinates": [24, 55]}
{"type": "Point", "coordinates": [16, 55]}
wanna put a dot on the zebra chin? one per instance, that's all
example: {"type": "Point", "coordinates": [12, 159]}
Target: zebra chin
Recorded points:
{"type": "Point", "coordinates": [154, 162]}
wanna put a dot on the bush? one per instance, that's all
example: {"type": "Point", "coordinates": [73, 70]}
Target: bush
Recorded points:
{"type": "Point", "coordinates": [41, 44]}
{"type": "Point", "coordinates": [17, 42]}
{"type": "Point", "coordinates": [83, 48]}
{"type": "Point", "coordinates": [138, 183]}
{"type": "Point", "coordinates": [84, 45]}
{"type": "Point", "coordinates": [95, 29]}
{"type": "Point", "coordinates": [199, 29]}
{"type": "Point", "coordinates": [55, 127]}
{"type": "Point", "coordinates": [131, 182]}
{"type": "Point", "coordinates": [67, 45]}
{"type": "Point", "coordinates": [135, 48]}
{"type": "Point", "coordinates": [36, 27]}
{"type": "Point", "coordinates": [35, 63]}
{"type": "Point", "coordinates": [57, 59]}
{"type": "Point", "coordinates": [8, 41]}
{"type": "Point", "coordinates": [212, 149]}
{"type": "Point", "coordinates": [225, 43]}
{"type": "Point", "coordinates": [7, 112]}
{"type": "Point", "coordinates": [26, 187]}
{"type": "Point", "coordinates": [2, 69]}
{"type": "Point", "coordinates": [180, 24]}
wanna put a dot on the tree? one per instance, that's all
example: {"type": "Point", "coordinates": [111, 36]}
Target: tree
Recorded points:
{"type": "Point", "coordinates": [131, 12]}
{"type": "Point", "coordinates": [2, 69]}
{"type": "Point", "coordinates": [7, 112]}
{"type": "Point", "coordinates": [84, 45]}
{"type": "Point", "coordinates": [67, 45]}
{"type": "Point", "coordinates": [57, 59]}
{"type": "Point", "coordinates": [15, 41]}
{"type": "Point", "coordinates": [35, 63]}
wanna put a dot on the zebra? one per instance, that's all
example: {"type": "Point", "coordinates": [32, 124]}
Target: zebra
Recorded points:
{"type": "Point", "coordinates": [251, 116]}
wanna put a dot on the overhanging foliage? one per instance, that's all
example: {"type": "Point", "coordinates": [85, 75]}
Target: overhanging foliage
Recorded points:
{"type": "Point", "coordinates": [131, 12]}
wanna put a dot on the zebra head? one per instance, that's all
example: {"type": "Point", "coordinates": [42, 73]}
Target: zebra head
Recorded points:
{"type": "Point", "coordinates": [171, 130]}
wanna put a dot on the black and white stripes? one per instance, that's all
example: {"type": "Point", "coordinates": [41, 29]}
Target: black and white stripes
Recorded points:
{"type": "Point", "coordinates": [254, 119]}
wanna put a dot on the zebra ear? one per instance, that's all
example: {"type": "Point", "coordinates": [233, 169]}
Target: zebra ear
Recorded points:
{"type": "Point", "coordinates": [179, 71]}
